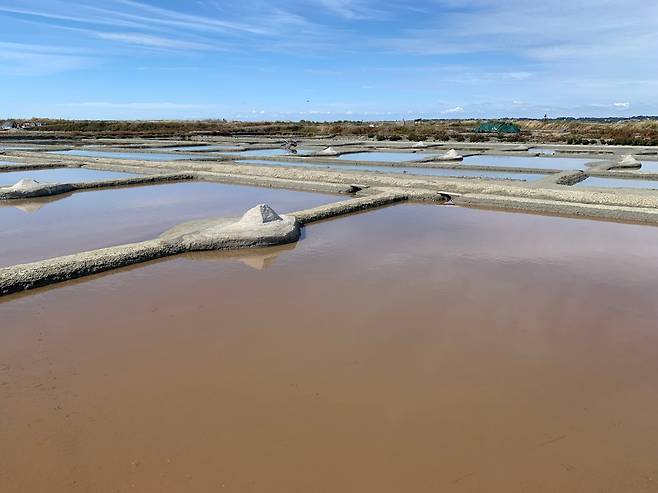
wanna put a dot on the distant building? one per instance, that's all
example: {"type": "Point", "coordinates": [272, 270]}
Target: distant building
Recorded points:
{"type": "Point", "coordinates": [8, 125]}
{"type": "Point", "coordinates": [498, 128]}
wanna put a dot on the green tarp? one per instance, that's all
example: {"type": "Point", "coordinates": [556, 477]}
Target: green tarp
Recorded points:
{"type": "Point", "coordinates": [498, 127]}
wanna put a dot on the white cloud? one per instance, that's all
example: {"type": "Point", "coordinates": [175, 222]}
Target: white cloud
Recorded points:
{"type": "Point", "coordinates": [622, 106]}
{"type": "Point", "coordinates": [456, 109]}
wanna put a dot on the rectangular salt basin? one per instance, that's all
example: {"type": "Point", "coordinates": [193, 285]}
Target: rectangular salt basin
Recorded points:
{"type": "Point", "coordinates": [558, 163]}
{"type": "Point", "coordinates": [649, 166]}
{"type": "Point", "coordinates": [136, 156]}
{"type": "Point", "coordinates": [61, 175]}
{"type": "Point", "coordinates": [439, 345]}
{"type": "Point", "coordinates": [385, 157]}
{"type": "Point", "coordinates": [208, 147]}
{"type": "Point", "coordinates": [502, 175]}
{"type": "Point", "coordinates": [63, 224]}
{"type": "Point", "coordinates": [269, 152]}
{"type": "Point", "coordinates": [594, 181]}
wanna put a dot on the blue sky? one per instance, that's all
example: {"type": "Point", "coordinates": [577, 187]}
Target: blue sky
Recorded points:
{"type": "Point", "coordinates": [327, 59]}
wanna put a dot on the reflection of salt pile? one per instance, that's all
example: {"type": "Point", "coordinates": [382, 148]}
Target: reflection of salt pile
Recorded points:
{"type": "Point", "coordinates": [259, 262]}
{"type": "Point", "coordinates": [329, 151]}
{"type": "Point", "coordinates": [420, 144]}
{"type": "Point", "coordinates": [451, 155]}
{"type": "Point", "coordinates": [630, 161]}
{"type": "Point", "coordinates": [30, 207]}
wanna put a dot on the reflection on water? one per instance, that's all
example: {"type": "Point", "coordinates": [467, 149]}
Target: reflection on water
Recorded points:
{"type": "Point", "coordinates": [256, 258]}
{"type": "Point", "coordinates": [594, 181]}
{"type": "Point", "coordinates": [100, 218]}
{"type": "Point", "coordinates": [204, 147]}
{"type": "Point", "coordinates": [408, 170]}
{"type": "Point", "coordinates": [136, 156]}
{"type": "Point", "coordinates": [413, 348]}
{"type": "Point", "coordinates": [34, 204]}
{"type": "Point", "coordinates": [388, 157]}
{"type": "Point", "coordinates": [560, 163]}
{"type": "Point", "coordinates": [269, 152]}
{"type": "Point", "coordinates": [61, 175]}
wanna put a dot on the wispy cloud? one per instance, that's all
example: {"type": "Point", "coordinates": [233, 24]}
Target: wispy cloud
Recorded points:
{"type": "Point", "coordinates": [19, 59]}
{"type": "Point", "coordinates": [154, 41]}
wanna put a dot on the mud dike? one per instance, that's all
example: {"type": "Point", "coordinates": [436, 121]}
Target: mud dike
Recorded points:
{"type": "Point", "coordinates": [261, 226]}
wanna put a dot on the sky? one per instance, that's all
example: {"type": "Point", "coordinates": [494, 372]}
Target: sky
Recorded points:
{"type": "Point", "coordinates": [327, 59]}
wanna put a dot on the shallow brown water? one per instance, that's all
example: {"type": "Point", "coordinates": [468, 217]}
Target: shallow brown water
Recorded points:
{"type": "Point", "coordinates": [414, 348]}
{"type": "Point", "coordinates": [60, 225]}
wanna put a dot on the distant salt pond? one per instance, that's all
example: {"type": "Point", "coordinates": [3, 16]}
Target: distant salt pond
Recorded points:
{"type": "Point", "coordinates": [136, 156]}
{"type": "Point", "coordinates": [385, 157]}
{"type": "Point", "coordinates": [271, 152]}
{"type": "Point", "coordinates": [408, 170]}
{"type": "Point", "coordinates": [651, 166]}
{"type": "Point", "coordinates": [59, 225]}
{"type": "Point", "coordinates": [208, 147]}
{"type": "Point", "coordinates": [594, 181]}
{"type": "Point", "coordinates": [528, 162]}
{"type": "Point", "coordinates": [61, 175]}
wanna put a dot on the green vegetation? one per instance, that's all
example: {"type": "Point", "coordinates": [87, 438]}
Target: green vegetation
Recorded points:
{"type": "Point", "coordinates": [637, 131]}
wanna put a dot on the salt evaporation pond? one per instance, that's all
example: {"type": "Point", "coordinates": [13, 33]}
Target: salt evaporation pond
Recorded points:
{"type": "Point", "coordinates": [414, 348]}
{"type": "Point", "coordinates": [594, 181]}
{"type": "Point", "coordinates": [208, 147]}
{"type": "Point", "coordinates": [51, 226]}
{"type": "Point", "coordinates": [136, 156]}
{"type": "Point", "coordinates": [408, 170]}
{"type": "Point", "coordinates": [385, 157]}
{"type": "Point", "coordinates": [269, 152]}
{"type": "Point", "coordinates": [61, 175]}
{"type": "Point", "coordinates": [649, 166]}
{"type": "Point", "coordinates": [558, 163]}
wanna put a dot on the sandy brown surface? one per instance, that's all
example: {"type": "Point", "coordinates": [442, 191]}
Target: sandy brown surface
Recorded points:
{"type": "Point", "coordinates": [414, 348]}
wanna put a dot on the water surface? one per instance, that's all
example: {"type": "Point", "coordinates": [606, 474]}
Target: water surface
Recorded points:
{"type": "Point", "coordinates": [594, 181]}
{"type": "Point", "coordinates": [407, 170]}
{"type": "Point", "coordinates": [204, 147]}
{"type": "Point", "coordinates": [416, 348]}
{"type": "Point", "coordinates": [137, 156]}
{"type": "Point", "coordinates": [61, 175]}
{"type": "Point", "coordinates": [651, 166]}
{"type": "Point", "coordinates": [558, 163]}
{"type": "Point", "coordinates": [269, 152]}
{"type": "Point", "coordinates": [47, 227]}
{"type": "Point", "coordinates": [388, 157]}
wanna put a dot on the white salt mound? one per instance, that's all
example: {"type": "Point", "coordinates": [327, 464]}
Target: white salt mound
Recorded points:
{"type": "Point", "coordinates": [420, 144]}
{"type": "Point", "coordinates": [261, 214]}
{"type": "Point", "coordinates": [329, 151]}
{"type": "Point", "coordinates": [452, 155]}
{"type": "Point", "coordinates": [630, 161]}
{"type": "Point", "coordinates": [25, 185]}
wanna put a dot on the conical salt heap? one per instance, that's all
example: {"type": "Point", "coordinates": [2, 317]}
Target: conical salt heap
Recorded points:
{"type": "Point", "coordinates": [25, 185]}
{"type": "Point", "coordinates": [629, 161]}
{"type": "Point", "coordinates": [451, 155]}
{"type": "Point", "coordinates": [329, 151]}
{"type": "Point", "coordinates": [420, 144]}
{"type": "Point", "coordinates": [261, 214]}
